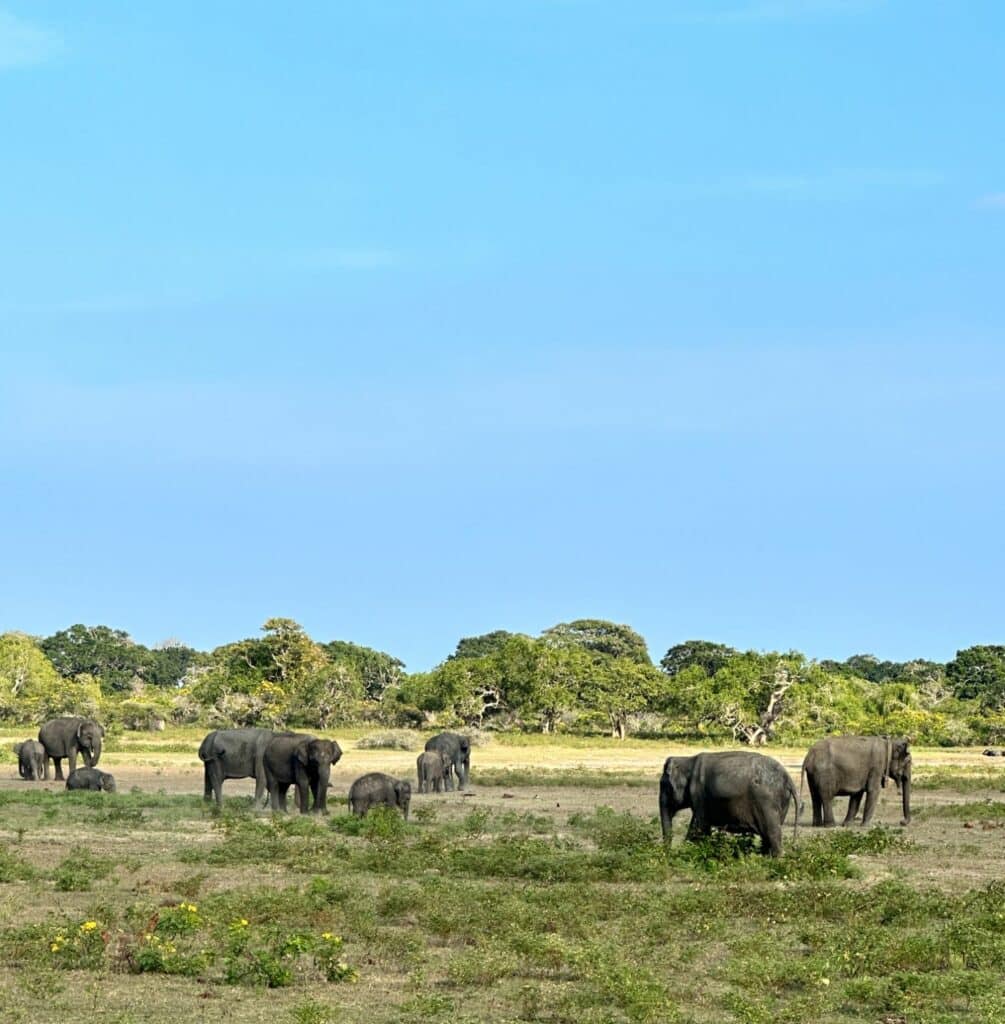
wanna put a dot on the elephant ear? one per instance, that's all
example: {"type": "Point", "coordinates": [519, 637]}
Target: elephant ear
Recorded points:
{"type": "Point", "coordinates": [17, 748]}
{"type": "Point", "coordinates": [303, 753]}
{"type": "Point", "coordinates": [679, 782]}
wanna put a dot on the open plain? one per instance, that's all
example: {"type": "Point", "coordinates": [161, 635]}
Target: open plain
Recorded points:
{"type": "Point", "coordinates": [542, 894]}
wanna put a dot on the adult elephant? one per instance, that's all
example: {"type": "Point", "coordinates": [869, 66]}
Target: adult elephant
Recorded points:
{"type": "Point", "coordinates": [297, 759]}
{"type": "Point", "coordinates": [737, 791]}
{"type": "Point", "coordinates": [432, 768]}
{"type": "Point", "coordinates": [66, 737]}
{"type": "Point", "coordinates": [234, 754]}
{"type": "Point", "coordinates": [457, 751]}
{"type": "Point", "coordinates": [377, 789]}
{"type": "Point", "coordinates": [31, 760]}
{"type": "Point", "coordinates": [856, 766]}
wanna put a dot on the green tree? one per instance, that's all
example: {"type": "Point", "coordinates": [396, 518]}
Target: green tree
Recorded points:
{"type": "Point", "coordinates": [31, 689]}
{"type": "Point", "coordinates": [704, 654]}
{"type": "Point", "coordinates": [108, 654]}
{"type": "Point", "coordinates": [978, 673]}
{"type": "Point", "coordinates": [376, 671]}
{"type": "Point", "coordinates": [598, 636]}
{"type": "Point", "coordinates": [480, 646]}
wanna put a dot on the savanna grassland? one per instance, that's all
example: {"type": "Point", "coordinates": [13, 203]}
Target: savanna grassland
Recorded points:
{"type": "Point", "coordinates": [542, 895]}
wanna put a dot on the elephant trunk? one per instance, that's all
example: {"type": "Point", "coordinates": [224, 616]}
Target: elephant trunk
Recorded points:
{"type": "Point", "coordinates": [321, 796]}
{"type": "Point", "coordinates": [666, 811]}
{"type": "Point", "coordinates": [905, 790]}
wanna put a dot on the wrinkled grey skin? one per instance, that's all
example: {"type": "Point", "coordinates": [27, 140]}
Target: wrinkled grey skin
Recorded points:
{"type": "Point", "coordinates": [432, 768]}
{"type": "Point", "coordinates": [31, 760]}
{"type": "Point", "coordinates": [377, 789]}
{"type": "Point", "coordinates": [854, 766]}
{"type": "Point", "coordinates": [458, 751]}
{"type": "Point", "coordinates": [736, 791]}
{"type": "Point", "coordinates": [297, 759]}
{"type": "Point", "coordinates": [66, 737]}
{"type": "Point", "coordinates": [91, 778]}
{"type": "Point", "coordinates": [234, 754]}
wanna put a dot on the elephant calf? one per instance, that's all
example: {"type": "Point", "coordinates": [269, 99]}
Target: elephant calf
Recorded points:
{"type": "Point", "coordinates": [432, 767]}
{"type": "Point", "coordinates": [377, 789]}
{"type": "Point", "coordinates": [91, 778]}
{"type": "Point", "coordinates": [32, 763]}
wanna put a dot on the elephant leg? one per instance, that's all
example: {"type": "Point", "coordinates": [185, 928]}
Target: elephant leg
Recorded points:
{"type": "Point", "coordinates": [207, 782]}
{"type": "Point", "coordinates": [261, 787]}
{"type": "Point", "coordinates": [853, 805]}
{"type": "Point", "coordinates": [871, 796]}
{"type": "Point", "coordinates": [57, 763]}
{"type": "Point", "coordinates": [827, 807]}
{"type": "Point", "coordinates": [45, 768]}
{"type": "Point", "coordinates": [818, 809]}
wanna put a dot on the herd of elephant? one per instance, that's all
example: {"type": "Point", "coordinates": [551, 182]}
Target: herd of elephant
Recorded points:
{"type": "Point", "coordinates": [745, 792]}
{"type": "Point", "coordinates": [736, 791]}
{"type": "Point", "coordinates": [275, 760]}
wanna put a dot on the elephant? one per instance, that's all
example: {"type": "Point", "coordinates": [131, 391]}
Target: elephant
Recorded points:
{"type": "Point", "coordinates": [853, 765]}
{"type": "Point", "coordinates": [234, 754]}
{"type": "Point", "coordinates": [65, 737]}
{"type": "Point", "coordinates": [91, 778]}
{"type": "Point", "coordinates": [293, 758]}
{"type": "Point", "coordinates": [737, 791]}
{"type": "Point", "coordinates": [32, 763]}
{"type": "Point", "coordinates": [376, 789]}
{"type": "Point", "coordinates": [457, 748]}
{"type": "Point", "coordinates": [433, 768]}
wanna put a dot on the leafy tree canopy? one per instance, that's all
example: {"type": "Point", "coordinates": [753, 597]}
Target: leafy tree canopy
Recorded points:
{"type": "Point", "coordinates": [979, 673]}
{"type": "Point", "coordinates": [599, 637]}
{"type": "Point", "coordinates": [703, 654]}
{"type": "Point", "coordinates": [480, 646]}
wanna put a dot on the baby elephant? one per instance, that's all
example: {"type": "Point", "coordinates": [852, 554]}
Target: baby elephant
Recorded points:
{"type": "Point", "coordinates": [433, 767]}
{"type": "Point", "coordinates": [376, 789]}
{"type": "Point", "coordinates": [91, 778]}
{"type": "Point", "coordinates": [31, 761]}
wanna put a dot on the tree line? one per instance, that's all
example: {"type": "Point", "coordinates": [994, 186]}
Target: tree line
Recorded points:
{"type": "Point", "coordinates": [587, 675]}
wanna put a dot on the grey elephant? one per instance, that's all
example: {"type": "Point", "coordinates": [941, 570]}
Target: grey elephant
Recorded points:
{"type": "Point", "coordinates": [432, 768]}
{"type": "Point", "coordinates": [736, 791]}
{"type": "Point", "coordinates": [856, 766]}
{"type": "Point", "coordinates": [91, 778]}
{"type": "Point", "coordinates": [297, 759]}
{"type": "Point", "coordinates": [377, 789]}
{"type": "Point", "coordinates": [234, 754]}
{"type": "Point", "coordinates": [457, 749]}
{"type": "Point", "coordinates": [31, 760]}
{"type": "Point", "coordinates": [66, 737]}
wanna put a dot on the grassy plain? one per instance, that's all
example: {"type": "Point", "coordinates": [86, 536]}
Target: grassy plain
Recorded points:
{"type": "Point", "coordinates": [543, 895]}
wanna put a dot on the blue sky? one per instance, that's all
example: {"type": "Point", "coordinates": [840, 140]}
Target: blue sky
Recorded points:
{"type": "Point", "coordinates": [412, 321]}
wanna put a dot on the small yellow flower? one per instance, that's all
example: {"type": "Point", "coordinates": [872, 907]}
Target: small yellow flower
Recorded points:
{"type": "Point", "coordinates": [825, 981]}
{"type": "Point", "coordinates": [55, 947]}
{"type": "Point", "coordinates": [190, 908]}
{"type": "Point", "coordinates": [89, 926]}
{"type": "Point", "coordinates": [327, 936]}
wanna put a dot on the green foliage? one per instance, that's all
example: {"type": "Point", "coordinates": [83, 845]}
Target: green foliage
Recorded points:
{"type": "Point", "coordinates": [702, 654]}
{"type": "Point", "coordinates": [978, 673]}
{"type": "Point", "coordinates": [598, 636]}
{"type": "Point", "coordinates": [80, 869]}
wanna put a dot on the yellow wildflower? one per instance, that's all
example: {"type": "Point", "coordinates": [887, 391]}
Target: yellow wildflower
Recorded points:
{"type": "Point", "coordinates": [89, 926]}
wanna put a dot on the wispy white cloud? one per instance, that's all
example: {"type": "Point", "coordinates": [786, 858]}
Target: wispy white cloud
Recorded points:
{"type": "Point", "coordinates": [772, 10]}
{"type": "Point", "coordinates": [992, 201]}
{"type": "Point", "coordinates": [22, 43]}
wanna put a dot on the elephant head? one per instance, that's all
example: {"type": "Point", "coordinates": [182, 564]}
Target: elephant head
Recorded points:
{"type": "Point", "coordinates": [403, 795]}
{"type": "Point", "coordinates": [108, 783]}
{"type": "Point", "coordinates": [317, 757]}
{"type": "Point", "coordinates": [899, 769]}
{"type": "Point", "coordinates": [89, 735]}
{"type": "Point", "coordinates": [675, 790]}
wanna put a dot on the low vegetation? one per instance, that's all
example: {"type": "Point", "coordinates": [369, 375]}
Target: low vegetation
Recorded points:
{"type": "Point", "coordinates": [500, 906]}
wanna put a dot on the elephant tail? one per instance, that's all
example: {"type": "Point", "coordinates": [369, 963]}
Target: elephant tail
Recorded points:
{"type": "Point", "coordinates": [797, 800]}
